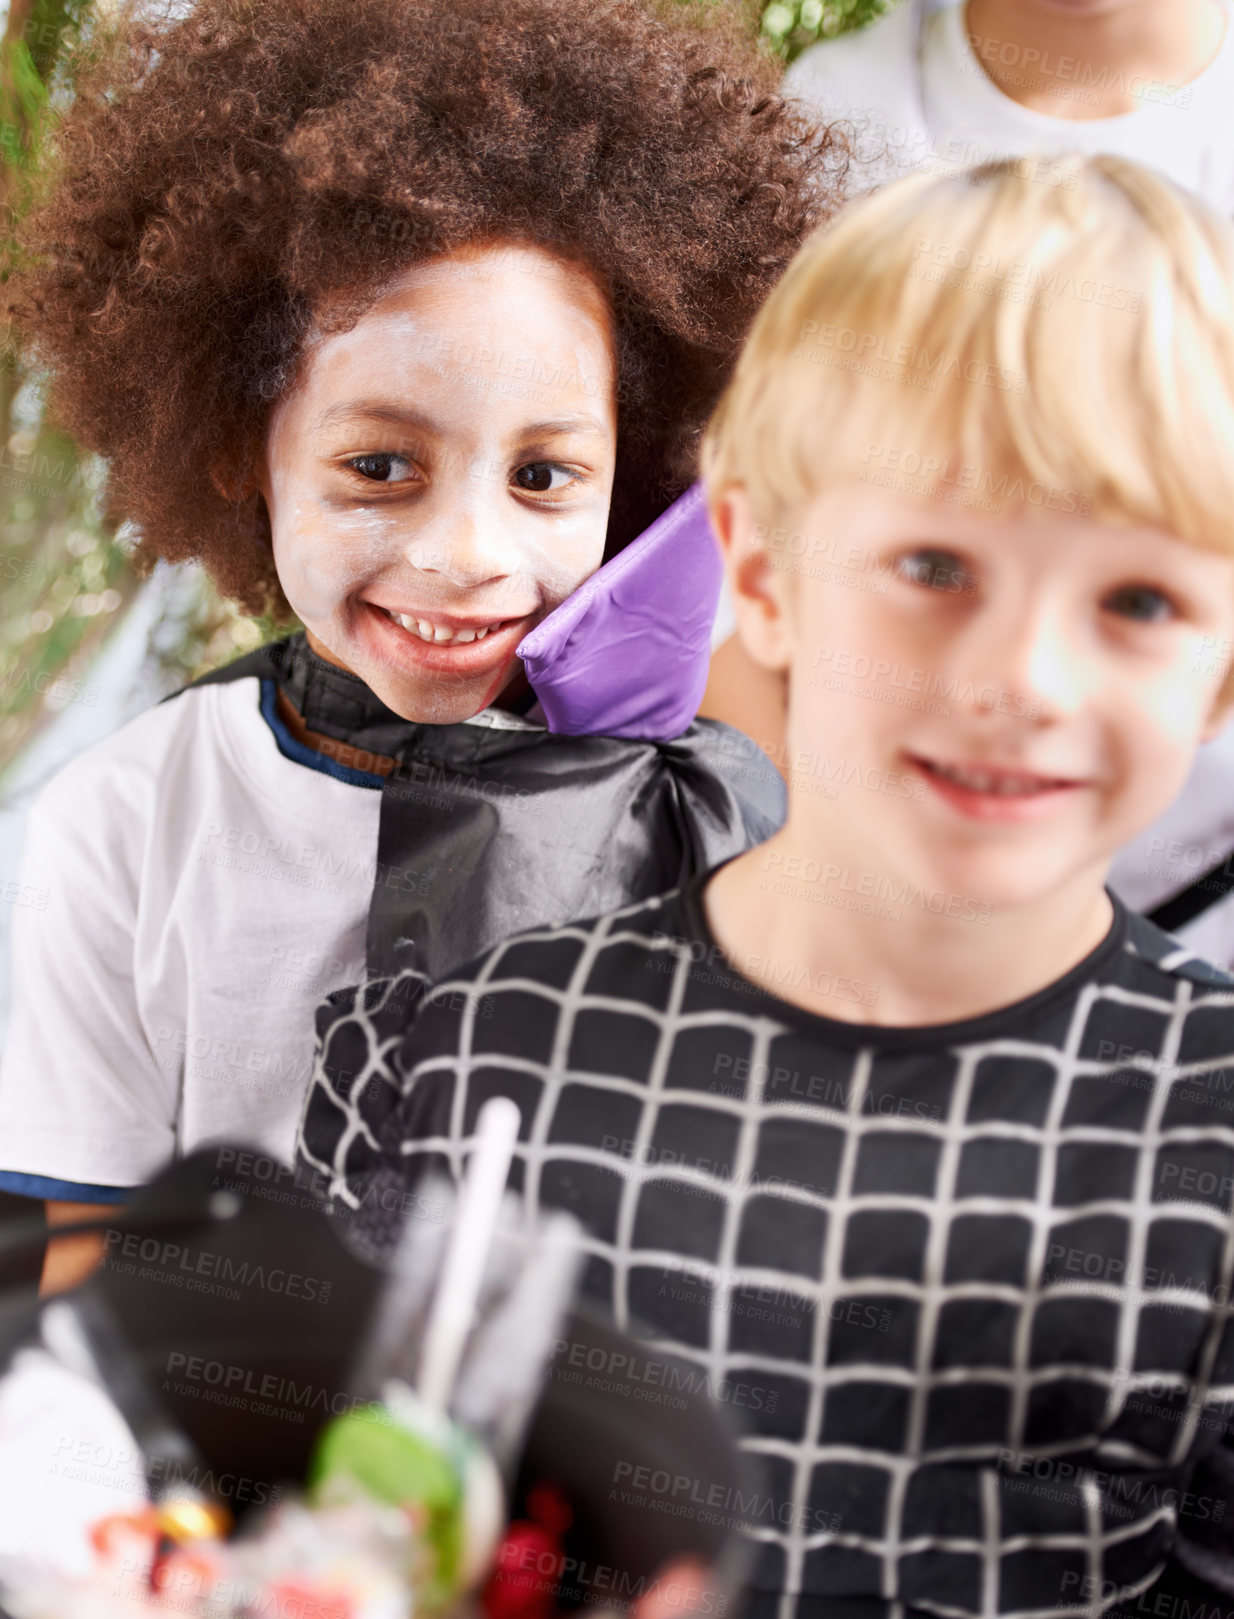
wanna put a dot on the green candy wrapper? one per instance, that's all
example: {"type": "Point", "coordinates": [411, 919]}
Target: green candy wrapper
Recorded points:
{"type": "Point", "coordinates": [402, 1461]}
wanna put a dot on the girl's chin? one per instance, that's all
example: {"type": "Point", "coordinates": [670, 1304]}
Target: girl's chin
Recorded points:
{"type": "Point", "coordinates": [434, 701]}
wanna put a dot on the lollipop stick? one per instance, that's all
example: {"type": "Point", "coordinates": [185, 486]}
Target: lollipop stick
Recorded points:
{"type": "Point", "coordinates": [454, 1307]}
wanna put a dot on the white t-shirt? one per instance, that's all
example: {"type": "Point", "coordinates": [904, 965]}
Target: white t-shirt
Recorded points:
{"type": "Point", "coordinates": [194, 893]}
{"type": "Point", "coordinates": [921, 99]}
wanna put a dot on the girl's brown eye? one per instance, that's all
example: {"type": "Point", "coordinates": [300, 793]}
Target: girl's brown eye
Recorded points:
{"type": "Point", "coordinates": [538, 477]}
{"type": "Point", "coordinates": [383, 468]}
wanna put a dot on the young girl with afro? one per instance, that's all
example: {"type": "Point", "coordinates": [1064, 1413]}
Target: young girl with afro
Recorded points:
{"type": "Point", "coordinates": [404, 315]}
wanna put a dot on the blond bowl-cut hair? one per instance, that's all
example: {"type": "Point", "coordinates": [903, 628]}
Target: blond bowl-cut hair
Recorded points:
{"type": "Point", "coordinates": [1059, 334]}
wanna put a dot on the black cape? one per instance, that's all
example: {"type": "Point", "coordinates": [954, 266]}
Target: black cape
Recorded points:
{"type": "Point", "coordinates": [486, 830]}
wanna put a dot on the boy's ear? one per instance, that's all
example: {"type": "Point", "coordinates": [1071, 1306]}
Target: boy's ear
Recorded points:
{"type": "Point", "coordinates": [1221, 715]}
{"type": "Point", "coordinates": [760, 590]}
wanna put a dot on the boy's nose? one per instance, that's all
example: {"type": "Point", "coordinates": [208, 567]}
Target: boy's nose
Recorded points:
{"type": "Point", "coordinates": [1024, 663]}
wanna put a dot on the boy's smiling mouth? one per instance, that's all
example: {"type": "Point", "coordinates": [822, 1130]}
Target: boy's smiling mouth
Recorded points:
{"type": "Point", "coordinates": [988, 791]}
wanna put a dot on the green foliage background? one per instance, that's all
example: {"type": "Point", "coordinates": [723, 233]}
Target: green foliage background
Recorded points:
{"type": "Point", "coordinates": [65, 575]}
{"type": "Point", "coordinates": [790, 25]}
{"type": "Point", "coordinates": [62, 576]}
{"type": "Point", "coordinates": [66, 578]}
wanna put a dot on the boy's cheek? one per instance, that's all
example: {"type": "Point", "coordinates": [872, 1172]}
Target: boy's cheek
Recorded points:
{"type": "Point", "coordinates": [1173, 709]}
{"type": "Point", "coordinates": [1152, 735]}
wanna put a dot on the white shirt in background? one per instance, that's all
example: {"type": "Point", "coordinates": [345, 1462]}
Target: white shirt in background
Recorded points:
{"type": "Point", "coordinates": [920, 99]}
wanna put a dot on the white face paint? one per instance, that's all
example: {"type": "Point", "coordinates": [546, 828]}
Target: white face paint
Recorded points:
{"type": "Point", "coordinates": [439, 478]}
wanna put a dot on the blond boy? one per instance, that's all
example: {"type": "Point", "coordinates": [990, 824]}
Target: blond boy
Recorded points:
{"type": "Point", "coordinates": [900, 1129]}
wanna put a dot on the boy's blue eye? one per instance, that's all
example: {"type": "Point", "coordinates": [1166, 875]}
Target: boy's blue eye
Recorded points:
{"type": "Point", "coordinates": [538, 477]}
{"type": "Point", "coordinates": [936, 570]}
{"type": "Point", "coordinates": [1143, 603]}
{"type": "Point", "coordinates": [383, 468]}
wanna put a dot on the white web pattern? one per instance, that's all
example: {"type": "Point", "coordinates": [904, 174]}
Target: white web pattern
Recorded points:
{"type": "Point", "coordinates": [899, 1549]}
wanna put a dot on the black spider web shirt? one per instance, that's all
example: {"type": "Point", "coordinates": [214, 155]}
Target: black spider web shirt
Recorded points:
{"type": "Point", "coordinates": [974, 1278]}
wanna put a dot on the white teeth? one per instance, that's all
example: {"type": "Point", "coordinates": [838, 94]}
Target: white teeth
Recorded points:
{"type": "Point", "coordinates": [981, 781]}
{"type": "Point", "coordinates": [439, 634]}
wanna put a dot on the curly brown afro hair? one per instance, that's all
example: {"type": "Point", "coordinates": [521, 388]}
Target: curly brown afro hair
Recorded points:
{"type": "Point", "coordinates": [224, 179]}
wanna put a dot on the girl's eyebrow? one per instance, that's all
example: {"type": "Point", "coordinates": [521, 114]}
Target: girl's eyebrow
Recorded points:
{"type": "Point", "coordinates": [403, 416]}
{"type": "Point", "coordinates": [560, 425]}
{"type": "Point", "coordinates": [374, 410]}
{"type": "Point", "coordinates": [559, 428]}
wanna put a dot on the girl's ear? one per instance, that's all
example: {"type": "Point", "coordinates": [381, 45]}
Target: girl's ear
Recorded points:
{"type": "Point", "coordinates": [236, 487]}
{"type": "Point", "coordinates": [234, 483]}
{"type": "Point", "coordinates": [760, 590]}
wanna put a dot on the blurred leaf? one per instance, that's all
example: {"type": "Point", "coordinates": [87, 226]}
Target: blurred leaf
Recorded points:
{"type": "Point", "coordinates": [790, 25]}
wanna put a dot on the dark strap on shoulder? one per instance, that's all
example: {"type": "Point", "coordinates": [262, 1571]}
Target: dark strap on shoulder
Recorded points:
{"type": "Point", "coordinates": [265, 662]}
{"type": "Point", "coordinates": [331, 701]}
{"type": "Point", "coordinates": [1196, 898]}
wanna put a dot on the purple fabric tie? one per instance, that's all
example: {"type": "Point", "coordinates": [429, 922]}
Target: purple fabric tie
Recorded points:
{"type": "Point", "coordinates": [627, 654]}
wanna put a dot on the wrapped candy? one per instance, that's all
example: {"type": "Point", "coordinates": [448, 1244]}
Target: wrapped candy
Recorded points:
{"type": "Point", "coordinates": [443, 1487]}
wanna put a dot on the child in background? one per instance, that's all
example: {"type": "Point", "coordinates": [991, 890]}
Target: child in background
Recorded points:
{"type": "Point", "coordinates": [902, 1124]}
{"type": "Point", "coordinates": [941, 83]}
{"type": "Point", "coordinates": [932, 85]}
{"type": "Point", "coordinates": [403, 317]}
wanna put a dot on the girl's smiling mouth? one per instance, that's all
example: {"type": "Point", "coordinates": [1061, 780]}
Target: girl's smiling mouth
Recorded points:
{"type": "Point", "coordinates": [440, 643]}
{"type": "Point", "coordinates": [447, 631]}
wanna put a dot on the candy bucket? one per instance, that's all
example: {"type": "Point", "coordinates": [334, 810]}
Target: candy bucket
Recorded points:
{"type": "Point", "coordinates": [240, 1303]}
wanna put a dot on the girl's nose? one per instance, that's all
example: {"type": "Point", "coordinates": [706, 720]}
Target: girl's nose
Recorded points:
{"type": "Point", "coordinates": [466, 546]}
